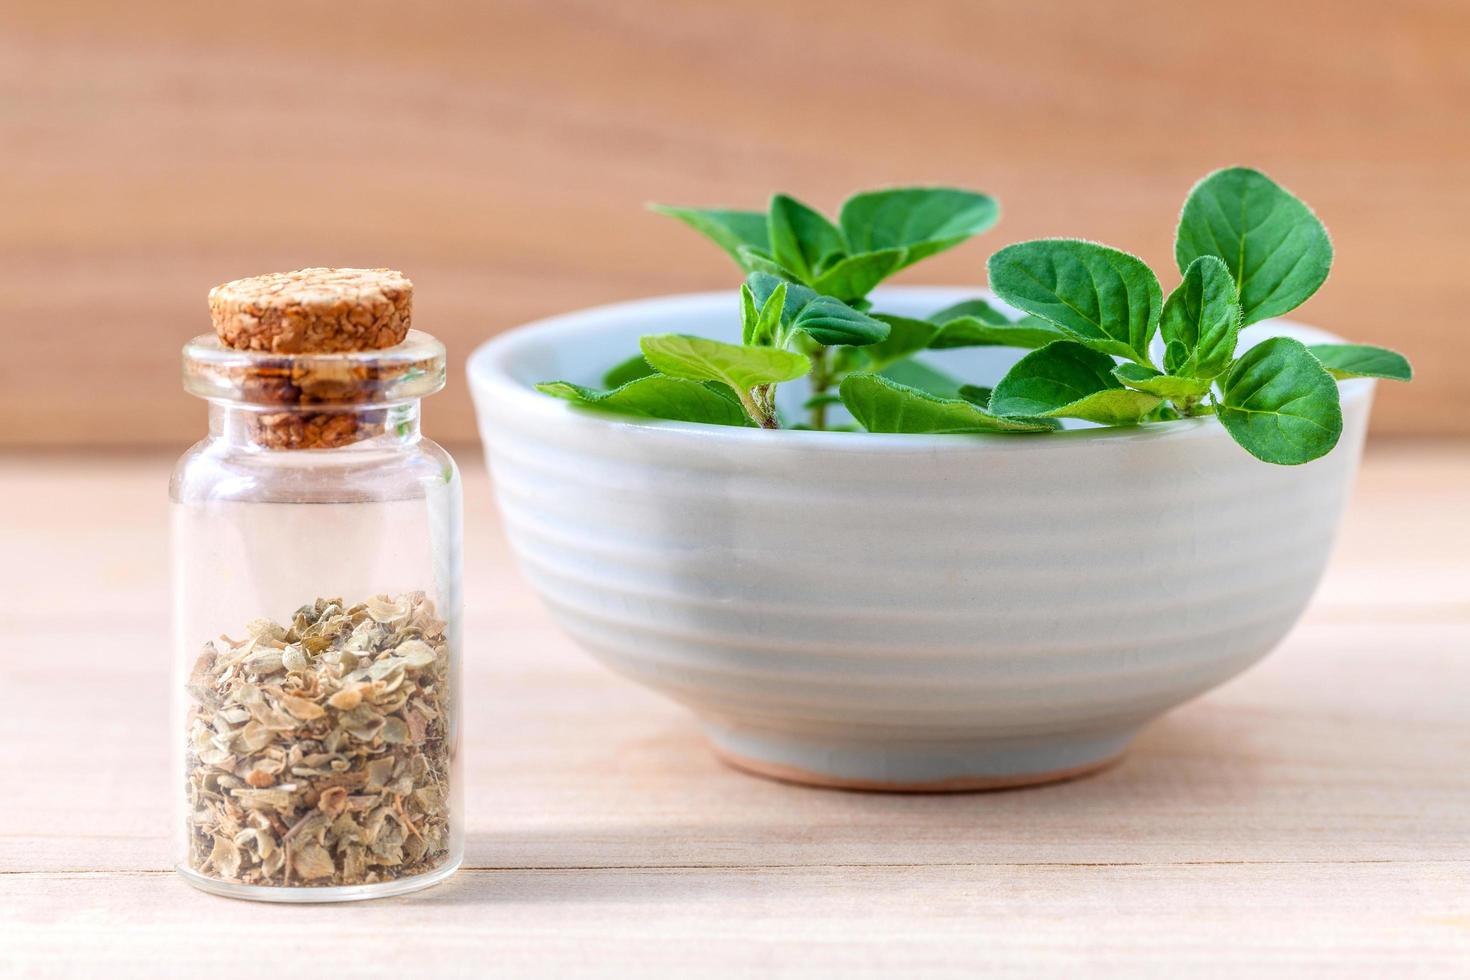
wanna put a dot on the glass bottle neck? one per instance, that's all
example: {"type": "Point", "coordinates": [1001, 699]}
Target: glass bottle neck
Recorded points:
{"type": "Point", "coordinates": [347, 428]}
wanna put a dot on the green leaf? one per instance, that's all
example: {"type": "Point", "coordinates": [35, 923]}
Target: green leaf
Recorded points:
{"type": "Point", "coordinates": [830, 321]}
{"type": "Point", "coordinates": [853, 277]}
{"type": "Point", "coordinates": [1274, 246]}
{"type": "Point", "coordinates": [750, 315]}
{"type": "Point", "coordinates": [916, 374]}
{"type": "Point", "coordinates": [764, 284]}
{"type": "Point", "coordinates": [621, 373]}
{"type": "Point", "coordinates": [802, 240]}
{"type": "Point", "coordinates": [976, 395]}
{"type": "Point", "coordinates": [725, 392]}
{"type": "Point", "coordinates": [826, 320]}
{"type": "Point", "coordinates": [754, 260]}
{"type": "Point", "coordinates": [1362, 361]}
{"type": "Point", "coordinates": [760, 324]}
{"type": "Point", "coordinates": [920, 220]}
{"type": "Point", "coordinates": [1203, 316]}
{"type": "Point", "coordinates": [905, 336]}
{"type": "Point", "coordinates": [882, 405]}
{"type": "Point", "coordinates": [976, 308]}
{"type": "Point", "coordinates": [731, 230]}
{"type": "Point", "coordinates": [1164, 413]}
{"type": "Point", "coordinates": [1167, 386]}
{"type": "Point", "coordinates": [701, 359]}
{"type": "Point", "coordinates": [1066, 379]}
{"type": "Point", "coordinates": [1106, 299]}
{"type": "Point", "coordinates": [975, 323]}
{"type": "Point", "coordinates": [656, 396]}
{"type": "Point", "coordinates": [1280, 403]}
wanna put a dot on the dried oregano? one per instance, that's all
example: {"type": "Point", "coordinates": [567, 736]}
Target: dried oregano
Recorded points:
{"type": "Point", "coordinates": [319, 751]}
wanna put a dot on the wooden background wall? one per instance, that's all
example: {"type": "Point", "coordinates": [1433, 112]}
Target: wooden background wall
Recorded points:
{"type": "Point", "coordinates": [500, 153]}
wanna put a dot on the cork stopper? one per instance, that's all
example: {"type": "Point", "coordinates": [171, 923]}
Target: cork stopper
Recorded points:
{"type": "Point", "coordinates": [318, 358]}
{"type": "Point", "coordinates": [313, 311]}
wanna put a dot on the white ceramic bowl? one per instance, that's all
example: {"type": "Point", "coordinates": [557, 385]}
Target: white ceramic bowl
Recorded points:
{"type": "Point", "coordinates": [900, 611]}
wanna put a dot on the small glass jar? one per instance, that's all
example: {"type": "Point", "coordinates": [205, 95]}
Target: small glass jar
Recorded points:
{"type": "Point", "coordinates": [316, 560]}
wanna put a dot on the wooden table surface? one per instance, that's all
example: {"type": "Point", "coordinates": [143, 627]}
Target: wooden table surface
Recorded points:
{"type": "Point", "coordinates": [1314, 812]}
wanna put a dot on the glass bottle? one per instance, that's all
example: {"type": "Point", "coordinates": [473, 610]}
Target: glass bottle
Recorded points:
{"type": "Point", "coordinates": [316, 561]}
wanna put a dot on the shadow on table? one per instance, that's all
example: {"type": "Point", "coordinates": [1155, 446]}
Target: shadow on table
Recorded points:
{"type": "Point", "coordinates": [705, 831]}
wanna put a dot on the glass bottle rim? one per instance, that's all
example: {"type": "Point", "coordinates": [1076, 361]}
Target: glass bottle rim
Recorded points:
{"type": "Point", "coordinates": [410, 370]}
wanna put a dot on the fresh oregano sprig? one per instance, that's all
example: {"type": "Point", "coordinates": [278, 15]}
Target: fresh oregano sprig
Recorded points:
{"type": "Point", "coordinates": [780, 323]}
{"type": "Point", "coordinates": [1106, 345]}
{"type": "Point", "coordinates": [876, 234]}
{"type": "Point", "coordinates": [1247, 250]}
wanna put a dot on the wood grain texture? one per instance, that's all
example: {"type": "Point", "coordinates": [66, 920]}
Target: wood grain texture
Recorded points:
{"type": "Point", "coordinates": [501, 154]}
{"type": "Point", "coordinates": [1312, 815]}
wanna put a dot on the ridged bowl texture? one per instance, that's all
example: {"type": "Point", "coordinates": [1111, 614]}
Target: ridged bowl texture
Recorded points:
{"type": "Point", "coordinates": [900, 611]}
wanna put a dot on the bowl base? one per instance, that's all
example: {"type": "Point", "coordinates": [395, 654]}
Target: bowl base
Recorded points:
{"type": "Point", "coordinates": [938, 767]}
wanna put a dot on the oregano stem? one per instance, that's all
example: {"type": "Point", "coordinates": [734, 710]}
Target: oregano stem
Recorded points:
{"type": "Point", "coordinates": [821, 380]}
{"type": "Point", "coordinates": [759, 404]}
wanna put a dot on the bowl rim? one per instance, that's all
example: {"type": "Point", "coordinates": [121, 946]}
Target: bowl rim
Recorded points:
{"type": "Point", "coordinates": [485, 370]}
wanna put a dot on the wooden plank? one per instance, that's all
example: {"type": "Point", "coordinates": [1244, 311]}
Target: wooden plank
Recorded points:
{"type": "Point", "coordinates": [1315, 812]}
{"type": "Point", "coordinates": [502, 154]}
{"type": "Point", "coordinates": [1366, 920]}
